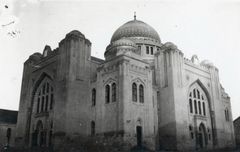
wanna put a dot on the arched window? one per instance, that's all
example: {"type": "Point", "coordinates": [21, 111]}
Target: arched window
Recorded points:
{"type": "Point", "coordinates": [107, 93]}
{"type": "Point", "coordinates": [141, 93]}
{"type": "Point", "coordinates": [190, 104]}
{"type": "Point", "coordinates": [199, 107]}
{"type": "Point", "coordinates": [134, 92]}
{"type": "Point", "coordinates": [195, 106]}
{"type": "Point", "coordinates": [44, 99]}
{"type": "Point", "coordinates": [194, 93]}
{"type": "Point", "coordinates": [151, 50]}
{"type": "Point", "coordinates": [114, 92]}
{"type": "Point", "coordinates": [147, 49]}
{"type": "Point", "coordinates": [52, 99]}
{"type": "Point", "coordinates": [198, 98]}
{"type": "Point", "coordinates": [204, 112]}
{"type": "Point", "coordinates": [198, 94]}
{"type": "Point", "coordinates": [92, 128]}
{"type": "Point", "coordinates": [42, 104]}
{"type": "Point", "coordinates": [38, 104]}
{"type": "Point", "coordinates": [226, 115]}
{"type": "Point", "coordinates": [93, 97]}
{"type": "Point", "coordinates": [46, 105]}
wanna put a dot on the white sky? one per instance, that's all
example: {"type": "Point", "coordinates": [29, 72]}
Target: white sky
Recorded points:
{"type": "Point", "coordinates": [210, 29]}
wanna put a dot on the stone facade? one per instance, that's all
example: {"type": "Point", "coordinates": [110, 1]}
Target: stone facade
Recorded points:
{"type": "Point", "coordinates": [236, 124]}
{"type": "Point", "coordinates": [145, 93]}
{"type": "Point", "coordinates": [8, 121]}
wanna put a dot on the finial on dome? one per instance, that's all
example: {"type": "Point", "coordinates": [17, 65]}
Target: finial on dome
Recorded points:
{"type": "Point", "coordinates": [134, 15]}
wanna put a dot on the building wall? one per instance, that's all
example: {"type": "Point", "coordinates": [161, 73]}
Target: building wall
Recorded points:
{"type": "Point", "coordinates": [3, 134]}
{"type": "Point", "coordinates": [164, 116]}
{"type": "Point", "coordinates": [237, 131]}
{"type": "Point", "coordinates": [174, 77]}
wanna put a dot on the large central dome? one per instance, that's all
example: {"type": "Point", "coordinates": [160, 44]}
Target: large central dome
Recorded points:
{"type": "Point", "coordinates": [135, 28]}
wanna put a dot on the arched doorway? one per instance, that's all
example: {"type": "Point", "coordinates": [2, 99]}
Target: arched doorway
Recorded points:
{"type": "Point", "coordinates": [202, 137]}
{"type": "Point", "coordinates": [39, 136]}
{"type": "Point", "coordinates": [139, 136]}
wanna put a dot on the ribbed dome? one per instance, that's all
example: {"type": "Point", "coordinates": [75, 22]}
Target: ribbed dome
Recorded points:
{"type": "Point", "coordinates": [135, 28]}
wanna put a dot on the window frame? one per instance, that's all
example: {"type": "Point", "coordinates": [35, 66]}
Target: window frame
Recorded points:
{"type": "Point", "coordinates": [107, 93]}
{"type": "Point", "coordinates": [134, 92]}
{"type": "Point", "coordinates": [141, 93]}
{"type": "Point", "coordinates": [94, 92]}
{"type": "Point", "coordinates": [114, 92]}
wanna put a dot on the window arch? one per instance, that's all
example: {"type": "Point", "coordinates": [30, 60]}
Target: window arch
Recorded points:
{"type": "Point", "coordinates": [195, 106]}
{"type": "Point", "coordinates": [51, 99]}
{"type": "Point", "coordinates": [197, 99]}
{"type": "Point", "coordinates": [114, 92]}
{"type": "Point", "coordinates": [44, 99]}
{"type": "Point", "coordinates": [107, 93]}
{"type": "Point", "coordinates": [134, 92]}
{"type": "Point", "coordinates": [93, 97]}
{"type": "Point", "coordinates": [204, 112]}
{"type": "Point", "coordinates": [226, 114]}
{"type": "Point", "coordinates": [190, 106]}
{"type": "Point", "coordinates": [141, 93]}
{"type": "Point", "coordinates": [199, 107]}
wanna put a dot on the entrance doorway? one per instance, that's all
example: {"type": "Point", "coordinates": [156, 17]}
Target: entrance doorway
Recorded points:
{"type": "Point", "coordinates": [202, 138]}
{"type": "Point", "coordinates": [34, 138]}
{"type": "Point", "coordinates": [39, 136]}
{"type": "Point", "coordinates": [139, 136]}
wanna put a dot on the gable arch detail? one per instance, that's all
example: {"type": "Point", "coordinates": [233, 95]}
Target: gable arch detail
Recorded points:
{"type": "Point", "coordinates": [110, 81]}
{"type": "Point", "coordinates": [138, 81]}
{"type": "Point", "coordinates": [202, 86]}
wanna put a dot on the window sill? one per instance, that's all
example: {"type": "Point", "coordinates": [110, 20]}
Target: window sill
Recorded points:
{"type": "Point", "coordinates": [110, 103]}
{"type": "Point", "coordinates": [138, 103]}
{"type": "Point", "coordinates": [200, 117]}
{"type": "Point", "coordinates": [42, 114]}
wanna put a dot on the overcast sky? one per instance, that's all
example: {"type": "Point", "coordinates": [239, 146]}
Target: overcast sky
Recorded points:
{"type": "Point", "coordinates": [209, 29]}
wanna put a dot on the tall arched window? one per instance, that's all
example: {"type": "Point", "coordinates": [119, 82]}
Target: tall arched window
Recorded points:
{"type": "Point", "coordinates": [46, 105]}
{"type": "Point", "coordinates": [190, 104]}
{"type": "Point", "coordinates": [195, 106]}
{"type": "Point", "coordinates": [198, 97]}
{"type": "Point", "coordinates": [226, 114]}
{"type": "Point", "coordinates": [114, 92]}
{"type": "Point", "coordinates": [93, 97]}
{"type": "Point", "coordinates": [44, 99]}
{"type": "Point", "coordinates": [38, 104]}
{"type": "Point", "coordinates": [107, 93]}
{"type": "Point", "coordinates": [134, 92]}
{"type": "Point", "coordinates": [141, 93]}
{"type": "Point", "coordinates": [204, 112]}
{"type": "Point", "coordinates": [52, 99]}
{"type": "Point", "coordinates": [198, 94]}
{"type": "Point", "coordinates": [92, 128]}
{"type": "Point", "coordinates": [42, 104]}
{"type": "Point", "coordinates": [199, 107]}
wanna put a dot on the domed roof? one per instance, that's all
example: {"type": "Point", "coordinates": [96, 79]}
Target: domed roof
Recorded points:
{"type": "Point", "coordinates": [135, 28]}
{"type": "Point", "coordinates": [123, 42]}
